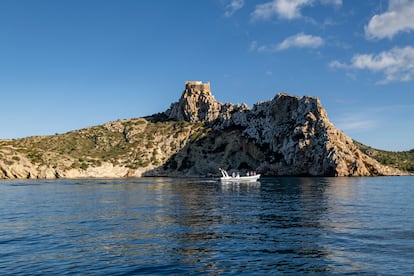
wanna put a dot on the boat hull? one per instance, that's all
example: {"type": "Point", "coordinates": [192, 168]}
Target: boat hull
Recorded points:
{"type": "Point", "coordinates": [252, 178]}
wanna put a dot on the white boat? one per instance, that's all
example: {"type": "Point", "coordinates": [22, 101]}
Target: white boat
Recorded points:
{"type": "Point", "coordinates": [237, 178]}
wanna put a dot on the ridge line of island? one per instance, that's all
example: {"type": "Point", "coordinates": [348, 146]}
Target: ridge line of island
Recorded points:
{"type": "Point", "coordinates": [197, 135]}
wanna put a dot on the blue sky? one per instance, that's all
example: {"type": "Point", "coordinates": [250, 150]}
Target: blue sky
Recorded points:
{"type": "Point", "coordinates": [69, 64]}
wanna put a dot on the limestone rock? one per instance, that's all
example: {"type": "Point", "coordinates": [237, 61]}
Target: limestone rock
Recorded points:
{"type": "Point", "coordinates": [45, 172]}
{"type": "Point", "coordinates": [302, 140]}
{"type": "Point", "coordinates": [287, 135]}
{"type": "Point", "coordinates": [196, 104]}
{"type": "Point", "coordinates": [105, 170]}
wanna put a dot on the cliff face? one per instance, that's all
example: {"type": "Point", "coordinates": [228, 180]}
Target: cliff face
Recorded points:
{"type": "Point", "coordinates": [196, 104]}
{"type": "Point", "coordinates": [287, 135]}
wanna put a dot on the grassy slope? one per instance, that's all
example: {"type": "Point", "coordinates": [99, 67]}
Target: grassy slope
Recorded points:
{"type": "Point", "coordinates": [403, 160]}
{"type": "Point", "coordinates": [133, 143]}
{"type": "Point", "coordinates": [136, 143]}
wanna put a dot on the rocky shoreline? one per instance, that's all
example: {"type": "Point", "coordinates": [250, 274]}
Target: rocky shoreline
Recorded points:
{"type": "Point", "coordinates": [285, 136]}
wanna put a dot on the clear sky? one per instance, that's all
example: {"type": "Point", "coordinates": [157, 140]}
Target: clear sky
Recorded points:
{"type": "Point", "coordinates": [69, 64]}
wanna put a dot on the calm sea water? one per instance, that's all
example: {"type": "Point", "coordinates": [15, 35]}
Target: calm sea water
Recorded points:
{"type": "Point", "coordinates": [195, 226]}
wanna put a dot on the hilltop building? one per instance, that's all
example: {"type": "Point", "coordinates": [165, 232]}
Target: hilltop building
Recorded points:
{"type": "Point", "coordinates": [197, 86]}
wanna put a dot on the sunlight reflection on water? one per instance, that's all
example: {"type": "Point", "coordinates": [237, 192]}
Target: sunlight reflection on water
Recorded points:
{"type": "Point", "coordinates": [186, 226]}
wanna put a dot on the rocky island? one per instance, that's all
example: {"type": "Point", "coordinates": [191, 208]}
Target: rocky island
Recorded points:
{"type": "Point", "coordinates": [285, 136]}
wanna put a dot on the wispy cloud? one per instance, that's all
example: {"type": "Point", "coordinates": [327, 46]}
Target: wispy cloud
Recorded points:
{"type": "Point", "coordinates": [256, 47]}
{"type": "Point", "coordinates": [378, 126]}
{"type": "Point", "coordinates": [357, 121]}
{"type": "Point", "coordinates": [398, 18]}
{"type": "Point", "coordinates": [286, 9]}
{"type": "Point", "coordinates": [233, 6]}
{"type": "Point", "coordinates": [369, 118]}
{"type": "Point", "coordinates": [353, 123]}
{"type": "Point", "coordinates": [396, 64]}
{"type": "Point", "coordinates": [253, 46]}
{"type": "Point", "coordinates": [332, 2]}
{"type": "Point", "coordinates": [300, 40]}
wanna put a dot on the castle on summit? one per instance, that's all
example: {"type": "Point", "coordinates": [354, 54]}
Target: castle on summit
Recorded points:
{"type": "Point", "coordinates": [285, 136]}
{"type": "Point", "coordinates": [197, 86]}
{"type": "Point", "coordinates": [197, 104]}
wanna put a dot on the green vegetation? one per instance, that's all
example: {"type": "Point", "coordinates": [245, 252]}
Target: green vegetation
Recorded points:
{"type": "Point", "coordinates": [403, 160]}
{"type": "Point", "coordinates": [132, 143]}
{"type": "Point", "coordinates": [138, 143]}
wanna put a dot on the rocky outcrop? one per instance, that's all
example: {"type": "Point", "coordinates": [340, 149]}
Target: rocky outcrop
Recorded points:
{"type": "Point", "coordinates": [287, 135]}
{"type": "Point", "coordinates": [302, 141]}
{"type": "Point", "coordinates": [197, 104]}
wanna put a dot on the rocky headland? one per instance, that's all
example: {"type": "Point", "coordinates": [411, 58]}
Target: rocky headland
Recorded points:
{"type": "Point", "coordinates": [287, 135]}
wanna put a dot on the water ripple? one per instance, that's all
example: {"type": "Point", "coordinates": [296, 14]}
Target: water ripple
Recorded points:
{"type": "Point", "coordinates": [167, 226]}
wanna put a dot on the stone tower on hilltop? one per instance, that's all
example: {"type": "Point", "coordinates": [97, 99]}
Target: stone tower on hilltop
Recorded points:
{"type": "Point", "coordinates": [197, 86]}
{"type": "Point", "coordinates": [287, 135]}
{"type": "Point", "coordinates": [196, 104]}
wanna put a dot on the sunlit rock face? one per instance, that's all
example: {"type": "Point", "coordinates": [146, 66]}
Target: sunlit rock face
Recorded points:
{"type": "Point", "coordinates": [287, 135]}
{"type": "Point", "coordinates": [196, 104]}
{"type": "Point", "coordinates": [290, 136]}
{"type": "Point", "coordinates": [302, 141]}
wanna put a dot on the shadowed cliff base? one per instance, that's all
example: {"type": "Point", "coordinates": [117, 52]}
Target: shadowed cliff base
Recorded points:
{"type": "Point", "coordinates": [287, 135]}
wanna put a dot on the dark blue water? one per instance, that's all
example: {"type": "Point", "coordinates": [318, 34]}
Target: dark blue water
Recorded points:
{"type": "Point", "coordinates": [192, 226]}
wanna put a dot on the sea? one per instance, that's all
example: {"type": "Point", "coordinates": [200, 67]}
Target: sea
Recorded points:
{"type": "Point", "coordinates": [190, 226]}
